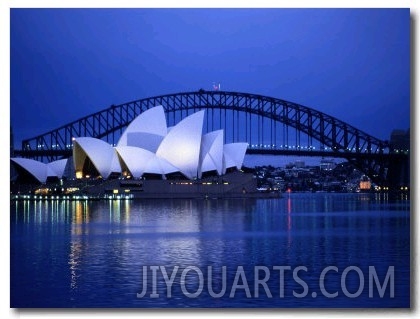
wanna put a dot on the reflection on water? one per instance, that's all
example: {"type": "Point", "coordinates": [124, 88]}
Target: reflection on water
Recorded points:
{"type": "Point", "coordinates": [91, 254]}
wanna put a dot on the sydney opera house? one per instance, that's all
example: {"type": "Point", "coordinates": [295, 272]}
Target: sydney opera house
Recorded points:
{"type": "Point", "coordinates": [152, 158]}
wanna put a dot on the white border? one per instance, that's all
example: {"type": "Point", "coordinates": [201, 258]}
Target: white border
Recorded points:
{"type": "Point", "coordinates": [5, 6]}
{"type": "Point", "coordinates": [211, 4]}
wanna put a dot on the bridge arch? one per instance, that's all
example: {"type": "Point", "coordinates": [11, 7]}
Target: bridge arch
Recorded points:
{"type": "Point", "coordinates": [268, 124]}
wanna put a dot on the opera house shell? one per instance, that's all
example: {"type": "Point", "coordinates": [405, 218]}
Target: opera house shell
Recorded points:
{"type": "Point", "coordinates": [147, 146]}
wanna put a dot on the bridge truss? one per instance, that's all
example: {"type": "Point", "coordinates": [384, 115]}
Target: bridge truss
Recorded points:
{"type": "Point", "coordinates": [270, 126]}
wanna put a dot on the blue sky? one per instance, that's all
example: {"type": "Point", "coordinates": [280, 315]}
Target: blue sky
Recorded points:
{"type": "Point", "coordinates": [353, 64]}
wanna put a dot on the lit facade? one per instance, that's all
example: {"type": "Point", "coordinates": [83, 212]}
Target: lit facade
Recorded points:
{"type": "Point", "coordinates": [148, 146]}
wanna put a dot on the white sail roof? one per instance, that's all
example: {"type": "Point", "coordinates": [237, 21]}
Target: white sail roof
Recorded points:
{"type": "Point", "coordinates": [99, 152]}
{"type": "Point", "coordinates": [136, 159]}
{"type": "Point", "coordinates": [211, 152]}
{"type": "Point", "coordinates": [149, 146]}
{"type": "Point", "coordinates": [143, 140]}
{"type": "Point", "coordinates": [152, 121]}
{"type": "Point", "coordinates": [58, 167]}
{"type": "Point", "coordinates": [115, 163]}
{"type": "Point", "coordinates": [37, 169]}
{"type": "Point", "coordinates": [181, 146]}
{"type": "Point", "coordinates": [160, 166]}
{"type": "Point", "coordinates": [233, 155]}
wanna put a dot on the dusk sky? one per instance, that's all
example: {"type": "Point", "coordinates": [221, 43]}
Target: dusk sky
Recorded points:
{"type": "Point", "coordinates": [353, 64]}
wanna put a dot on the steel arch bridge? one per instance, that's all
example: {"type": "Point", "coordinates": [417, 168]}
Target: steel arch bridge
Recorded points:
{"type": "Point", "coordinates": [270, 126]}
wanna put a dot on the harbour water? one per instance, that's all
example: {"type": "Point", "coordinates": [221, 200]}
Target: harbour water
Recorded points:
{"type": "Point", "coordinates": [304, 250]}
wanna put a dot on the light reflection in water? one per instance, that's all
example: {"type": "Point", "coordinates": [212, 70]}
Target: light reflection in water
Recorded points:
{"type": "Point", "coordinates": [108, 242]}
{"type": "Point", "coordinates": [127, 205]}
{"type": "Point", "coordinates": [289, 212]}
{"type": "Point", "coordinates": [289, 222]}
{"type": "Point", "coordinates": [74, 257]}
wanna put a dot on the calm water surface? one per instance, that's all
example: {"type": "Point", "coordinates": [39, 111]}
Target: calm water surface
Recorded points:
{"type": "Point", "coordinates": [102, 254]}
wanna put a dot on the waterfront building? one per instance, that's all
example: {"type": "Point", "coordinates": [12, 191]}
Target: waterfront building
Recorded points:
{"type": "Point", "coordinates": [147, 147]}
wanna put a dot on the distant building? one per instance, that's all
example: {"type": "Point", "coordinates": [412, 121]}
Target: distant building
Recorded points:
{"type": "Point", "coordinates": [299, 164]}
{"type": "Point", "coordinates": [365, 183]}
{"type": "Point", "coordinates": [327, 165]}
{"type": "Point", "coordinates": [399, 170]}
{"type": "Point", "coordinates": [400, 141]}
